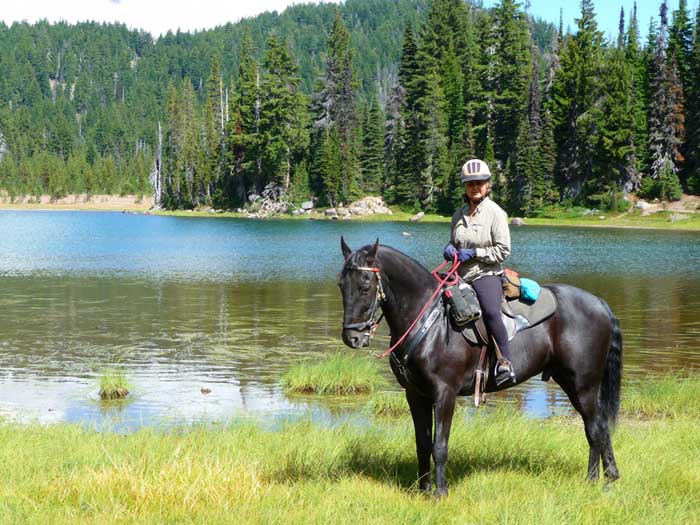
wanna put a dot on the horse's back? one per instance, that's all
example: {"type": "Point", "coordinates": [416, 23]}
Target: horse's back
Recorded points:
{"type": "Point", "coordinates": [581, 327]}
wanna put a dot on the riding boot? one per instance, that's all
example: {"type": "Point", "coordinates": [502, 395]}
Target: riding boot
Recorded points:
{"type": "Point", "coordinates": [504, 372]}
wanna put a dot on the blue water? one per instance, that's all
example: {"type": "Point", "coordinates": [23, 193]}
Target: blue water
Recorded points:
{"type": "Point", "coordinates": [185, 304]}
{"type": "Point", "coordinates": [217, 249]}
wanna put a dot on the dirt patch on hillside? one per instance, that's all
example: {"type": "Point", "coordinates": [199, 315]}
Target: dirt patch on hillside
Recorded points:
{"type": "Point", "coordinates": [687, 204]}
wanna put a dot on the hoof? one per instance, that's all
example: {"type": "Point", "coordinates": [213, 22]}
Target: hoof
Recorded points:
{"type": "Point", "coordinates": [440, 493]}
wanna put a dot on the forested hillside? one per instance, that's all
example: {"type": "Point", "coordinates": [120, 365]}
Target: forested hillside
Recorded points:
{"type": "Point", "coordinates": [370, 97]}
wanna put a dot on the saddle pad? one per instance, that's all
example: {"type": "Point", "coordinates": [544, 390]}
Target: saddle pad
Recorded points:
{"type": "Point", "coordinates": [536, 312]}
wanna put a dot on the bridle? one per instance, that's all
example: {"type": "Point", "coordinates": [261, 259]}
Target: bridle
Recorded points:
{"type": "Point", "coordinates": [371, 323]}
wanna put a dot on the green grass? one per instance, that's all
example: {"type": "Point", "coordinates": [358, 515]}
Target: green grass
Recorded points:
{"type": "Point", "coordinates": [632, 219]}
{"type": "Point", "coordinates": [387, 404]}
{"type": "Point", "coordinates": [671, 396]}
{"type": "Point", "coordinates": [339, 373]}
{"type": "Point", "coordinates": [114, 385]}
{"type": "Point", "coordinates": [502, 467]}
{"type": "Point", "coordinates": [558, 217]}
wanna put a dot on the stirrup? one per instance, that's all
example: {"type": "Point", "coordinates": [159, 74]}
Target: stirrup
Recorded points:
{"type": "Point", "coordinates": [503, 372]}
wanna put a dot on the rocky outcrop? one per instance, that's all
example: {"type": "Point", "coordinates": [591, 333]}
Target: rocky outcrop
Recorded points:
{"type": "Point", "coordinates": [365, 206]}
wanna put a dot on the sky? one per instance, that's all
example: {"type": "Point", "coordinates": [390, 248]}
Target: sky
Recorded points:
{"type": "Point", "coordinates": [159, 16]}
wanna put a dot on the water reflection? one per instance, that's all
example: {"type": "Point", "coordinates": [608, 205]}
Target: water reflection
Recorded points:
{"type": "Point", "coordinates": [185, 305]}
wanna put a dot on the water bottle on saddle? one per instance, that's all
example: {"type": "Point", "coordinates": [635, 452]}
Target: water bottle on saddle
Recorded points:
{"type": "Point", "coordinates": [480, 238]}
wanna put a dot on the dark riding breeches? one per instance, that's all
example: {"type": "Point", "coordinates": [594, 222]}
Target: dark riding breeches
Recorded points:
{"type": "Point", "coordinates": [489, 291]}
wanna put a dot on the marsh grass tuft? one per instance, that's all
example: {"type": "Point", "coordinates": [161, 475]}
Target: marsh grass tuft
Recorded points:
{"type": "Point", "coordinates": [340, 373]}
{"type": "Point", "coordinates": [113, 385]}
{"type": "Point", "coordinates": [387, 404]}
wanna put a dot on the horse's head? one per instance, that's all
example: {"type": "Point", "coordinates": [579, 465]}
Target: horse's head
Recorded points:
{"type": "Point", "coordinates": [361, 286]}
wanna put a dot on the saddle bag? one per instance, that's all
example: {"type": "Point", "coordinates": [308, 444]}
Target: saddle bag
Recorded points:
{"type": "Point", "coordinates": [511, 284]}
{"type": "Point", "coordinates": [462, 304]}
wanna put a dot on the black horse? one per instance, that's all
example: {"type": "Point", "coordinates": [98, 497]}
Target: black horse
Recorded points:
{"type": "Point", "coordinates": [579, 346]}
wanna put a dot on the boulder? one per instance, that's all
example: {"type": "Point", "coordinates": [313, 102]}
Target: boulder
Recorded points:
{"type": "Point", "coordinates": [642, 205]}
{"type": "Point", "coordinates": [331, 212]}
{"type": "Point", "coordinates": [418, 216]}
{"type": "Point", "coordinates": [517, 221]}
{"type": "Point", "coordinates": [342, 212]}
{"type": "Point", "coordinates": [296, 213]}
{"type": "Point", "coordinates": [307, 205]}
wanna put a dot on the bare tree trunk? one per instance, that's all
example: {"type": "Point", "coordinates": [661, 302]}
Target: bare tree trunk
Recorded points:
{"type": "Point", "coordinates": [157, 173]}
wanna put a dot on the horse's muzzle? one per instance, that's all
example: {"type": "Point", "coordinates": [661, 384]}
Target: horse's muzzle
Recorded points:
{"type": "Point", "coordinates": [355, 339]}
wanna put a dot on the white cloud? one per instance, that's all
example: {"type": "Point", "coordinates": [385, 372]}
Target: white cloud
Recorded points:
{"type": "Point", "coordinates": [155, 16]}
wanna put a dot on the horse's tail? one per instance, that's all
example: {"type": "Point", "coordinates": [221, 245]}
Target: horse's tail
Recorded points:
{"type": "Point", "coordinates": [610, 389]}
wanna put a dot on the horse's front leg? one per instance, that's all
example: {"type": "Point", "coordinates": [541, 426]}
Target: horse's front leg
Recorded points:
{"type": "Point", "coordinates": [444, 409]}
{"type": "Point", "coordinates": [422, 413]}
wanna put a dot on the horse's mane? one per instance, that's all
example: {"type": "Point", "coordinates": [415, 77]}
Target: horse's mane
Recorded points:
{"type": "Point", "coordinates": [389, 257]}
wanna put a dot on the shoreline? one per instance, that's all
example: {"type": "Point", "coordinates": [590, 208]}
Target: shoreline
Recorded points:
{"type": "Point", "coordinates": [661, 220]}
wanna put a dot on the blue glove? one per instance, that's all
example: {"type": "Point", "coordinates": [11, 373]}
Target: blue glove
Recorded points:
{"type": "Point", "coordinates": [450, 252]}
{"type": "Point", "coordinates": [466, 253]}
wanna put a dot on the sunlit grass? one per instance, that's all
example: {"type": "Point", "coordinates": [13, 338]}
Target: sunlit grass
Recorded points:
{"type": "Point", "coordinates": [673, 396]}
{"type": "Point", "coordinates": [339, 373]}
{"type": "Point", "coordinates": [387, 404]}
{"type": "Point", "coordinates": [502, 467]}
{"type": "Point", "coordinates": [114, 385]}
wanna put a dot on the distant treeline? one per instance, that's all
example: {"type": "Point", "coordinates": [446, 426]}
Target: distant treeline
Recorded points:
{"type": "Point", "coordinates": [370, 97]}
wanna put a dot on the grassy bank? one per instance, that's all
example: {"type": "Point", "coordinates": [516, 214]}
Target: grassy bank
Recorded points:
{"type": "Point", "coordinates": [340, 373]}
{"type": "Point", "coordinates": [503, 467]}
{"type": "Point", "coordinates": [664, 220]}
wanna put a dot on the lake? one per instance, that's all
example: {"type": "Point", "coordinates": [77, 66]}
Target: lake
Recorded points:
{"type": "Point", "coordinates": [185, 304]}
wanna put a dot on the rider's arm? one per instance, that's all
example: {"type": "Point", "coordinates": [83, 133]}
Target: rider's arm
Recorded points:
{"type": "Point", "coordinates": [500, 240]}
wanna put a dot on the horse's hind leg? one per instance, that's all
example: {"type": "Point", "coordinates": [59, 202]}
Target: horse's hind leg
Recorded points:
{"type": "Point", "coordinates": [585, 402]}
{"type": "Point", "coordinates": [609, 464]}
{"type": "Point", "coordinates": [422, 413]}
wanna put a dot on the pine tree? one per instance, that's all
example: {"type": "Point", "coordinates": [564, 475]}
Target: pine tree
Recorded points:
{"type": "Point", "coordinates": [680, 42]}
{"type": "Point", "coordinates": [334, 105]}
{"type": "Point", "coordinates": [372, 159]}
{"type": "Point", "coordinates": [574, 103]}
{"type": "Point", "coordinates": [693, 111]}
{"type": "Point", "coordinates": [282, 115]}
{"type": "Point", "coordinates": [616, 161]}
{"type": "Point", "coordinates": [513, 72]}
{"type": "Point", "coordinates": [245, 158]}
{"type": "Point", "coordinates": [639, 95]}
{"type": "Point", "coordinates": [665, 117]}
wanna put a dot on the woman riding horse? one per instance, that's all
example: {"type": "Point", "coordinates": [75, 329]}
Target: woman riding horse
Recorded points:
{"type": "Point", "coordinates": [579, 346]}
{"type": "Point", "coordinates": [481, 239]}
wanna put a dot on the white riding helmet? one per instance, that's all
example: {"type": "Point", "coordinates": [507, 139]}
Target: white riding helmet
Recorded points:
{"type": "Point", "coordinates": [475, 169]}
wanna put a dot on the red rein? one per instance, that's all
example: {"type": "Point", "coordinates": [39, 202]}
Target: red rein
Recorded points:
{"type": "Point", "coordinates": [453, 269]}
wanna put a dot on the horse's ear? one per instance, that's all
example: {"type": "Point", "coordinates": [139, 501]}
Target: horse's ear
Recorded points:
{"type": "Point", "coordinates": [345, 248]}
{"type": "Point", "coordinates": [372, 252]}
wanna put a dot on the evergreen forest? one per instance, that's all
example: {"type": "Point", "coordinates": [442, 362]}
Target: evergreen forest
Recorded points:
{"type": "Point", "coordinates": [370, 97]}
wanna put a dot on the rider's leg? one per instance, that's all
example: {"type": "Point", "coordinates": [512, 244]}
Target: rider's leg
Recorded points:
{"type": "Point", "coordinates": [489, 291]}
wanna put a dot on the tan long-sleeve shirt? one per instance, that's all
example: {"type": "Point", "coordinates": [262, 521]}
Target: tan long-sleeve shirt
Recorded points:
{"type": "Point", "coordinates": [487, 231]}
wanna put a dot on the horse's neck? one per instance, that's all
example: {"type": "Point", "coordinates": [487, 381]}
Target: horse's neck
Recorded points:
{"type": "Point", "coordinates": [408, 287]}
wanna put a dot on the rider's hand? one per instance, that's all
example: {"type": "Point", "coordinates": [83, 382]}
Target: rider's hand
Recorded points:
{"type": "Point", "coordinates": [450, 252]}
{"type": "Point", "coordinates": [466, 253]}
